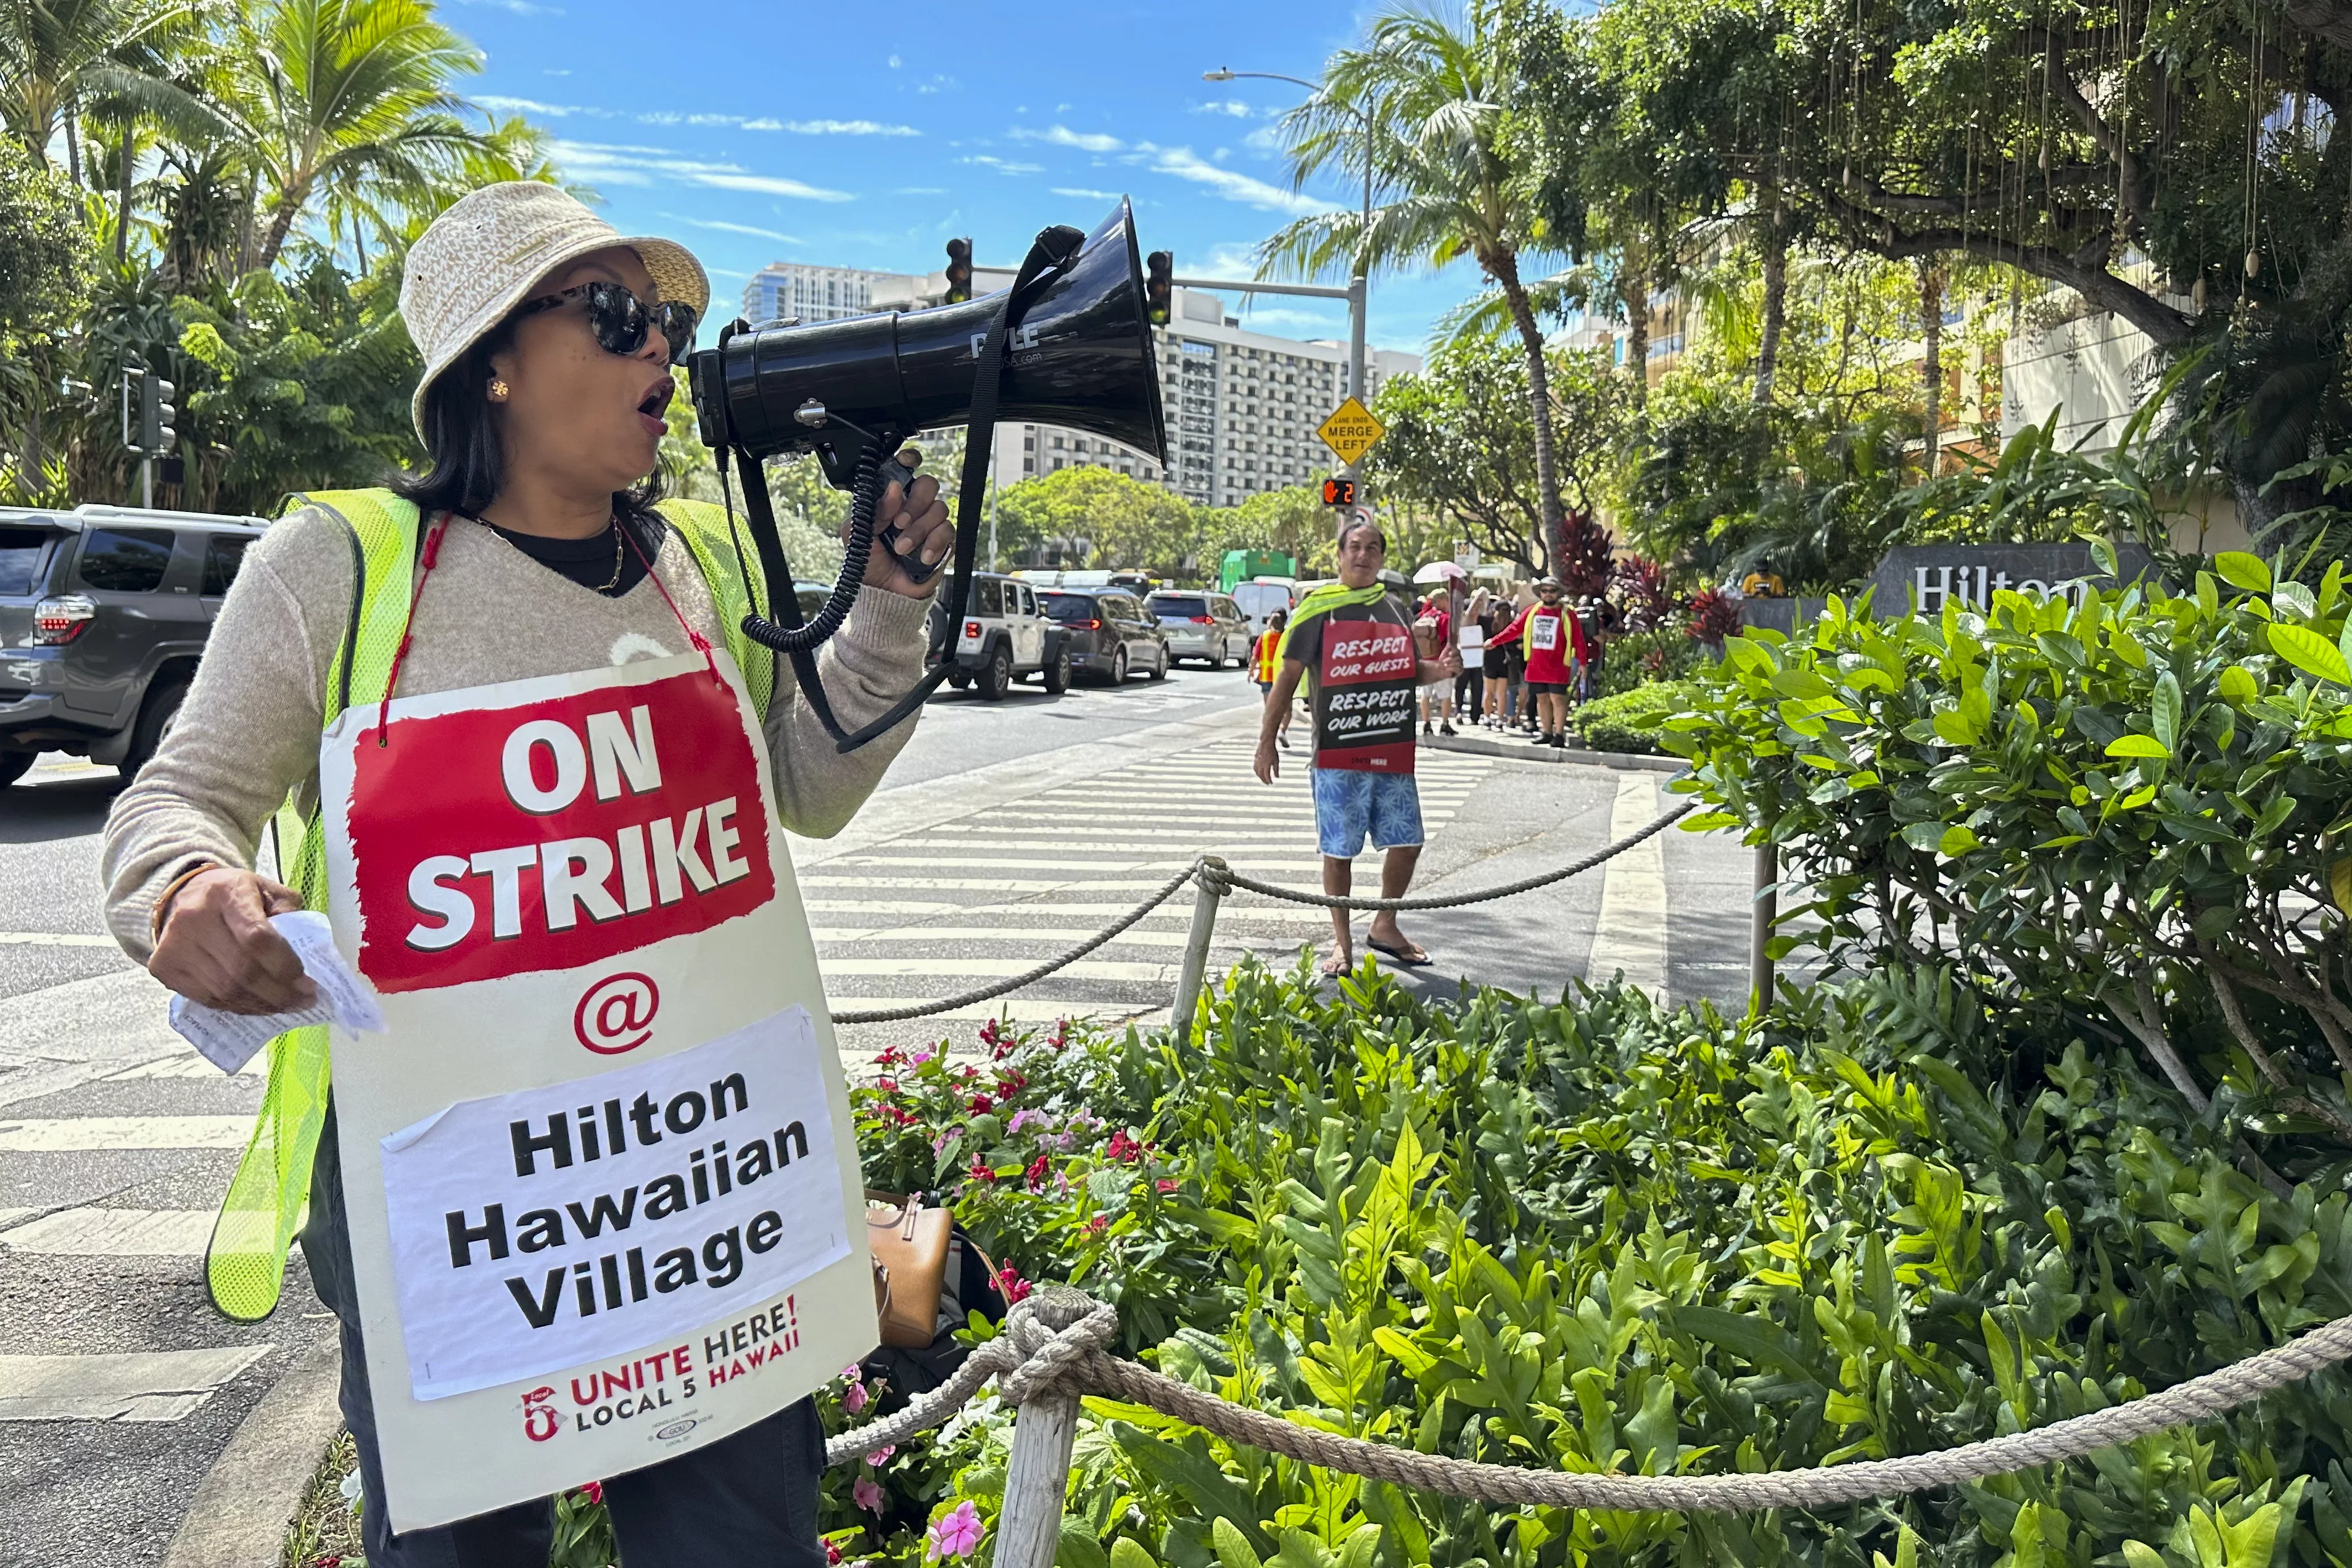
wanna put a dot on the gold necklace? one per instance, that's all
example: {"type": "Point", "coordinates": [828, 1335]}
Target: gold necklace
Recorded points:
{"type": "Point", "coordinates": [620, 556]}
{"type": "Point", "coordinates": [618, 559]}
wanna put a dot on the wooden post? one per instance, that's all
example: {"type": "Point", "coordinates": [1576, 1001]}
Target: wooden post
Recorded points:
{"type": "Point", "coordinates": [1206, 894]}
{"type": "Point", "coordinates": [1764, 910]}
{"type": "Point", "coordinates": [1037, 1481]}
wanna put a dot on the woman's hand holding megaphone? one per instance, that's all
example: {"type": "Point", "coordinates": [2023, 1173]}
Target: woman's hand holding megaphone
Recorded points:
{"type": "Point", "coordinates": [911, 521]}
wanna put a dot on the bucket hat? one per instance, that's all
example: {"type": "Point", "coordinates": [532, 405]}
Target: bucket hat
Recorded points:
{"type": "Point", "coordinates": [481, 256]}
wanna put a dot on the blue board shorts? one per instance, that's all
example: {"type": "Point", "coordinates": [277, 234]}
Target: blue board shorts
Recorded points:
{"type": "Point", "coordinates": [1351, 803]}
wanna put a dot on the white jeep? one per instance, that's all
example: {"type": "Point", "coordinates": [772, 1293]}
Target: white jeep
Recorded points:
{"type": "Point", "coordinates": [1005, 636]}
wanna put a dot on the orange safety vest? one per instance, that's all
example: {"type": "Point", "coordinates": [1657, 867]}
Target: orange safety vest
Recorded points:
{"type": "Point", "coordinates": [1268, 655]}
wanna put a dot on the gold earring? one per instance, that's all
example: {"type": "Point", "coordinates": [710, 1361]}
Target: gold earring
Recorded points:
{"type": "Point", "coordinates": [498, 389]}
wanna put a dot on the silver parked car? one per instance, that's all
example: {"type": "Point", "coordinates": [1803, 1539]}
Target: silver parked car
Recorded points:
{"type": "Point", "coordinates": [1202, 625]}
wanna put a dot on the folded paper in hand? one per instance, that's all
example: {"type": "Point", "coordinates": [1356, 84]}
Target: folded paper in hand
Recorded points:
{"type": "Point", "coordinates": [228, 1040]}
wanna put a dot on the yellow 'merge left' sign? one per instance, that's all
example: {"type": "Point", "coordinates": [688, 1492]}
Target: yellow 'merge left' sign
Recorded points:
{"type": "Point", "coordinates": [1351, 430]}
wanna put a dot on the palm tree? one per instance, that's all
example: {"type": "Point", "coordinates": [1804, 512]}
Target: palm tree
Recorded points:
{"type": "Point", "coordinates": [347, 95]}
{"type": "Point", "coordinates": [62, 58]}
{"type": "Point", "coordinates": [1438, 95]}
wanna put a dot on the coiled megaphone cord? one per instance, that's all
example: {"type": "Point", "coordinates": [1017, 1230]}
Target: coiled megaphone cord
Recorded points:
{"type": "Point", "coordinates": [865, 500]}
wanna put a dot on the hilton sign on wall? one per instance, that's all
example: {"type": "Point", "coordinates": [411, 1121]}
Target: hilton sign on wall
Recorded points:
{"type": "Point", "coordinates": [1930, 577]}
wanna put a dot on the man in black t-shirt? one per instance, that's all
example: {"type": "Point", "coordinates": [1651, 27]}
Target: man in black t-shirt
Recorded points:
{"type": "Point", "coordinates": [1352, 644]}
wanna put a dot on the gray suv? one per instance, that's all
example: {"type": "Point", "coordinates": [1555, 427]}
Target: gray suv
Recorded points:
{"type": "Point", "coordinates": [103, 613]}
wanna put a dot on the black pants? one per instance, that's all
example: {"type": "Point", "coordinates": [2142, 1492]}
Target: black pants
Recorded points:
{"type": "Point", "coordinates": [749, 1499]}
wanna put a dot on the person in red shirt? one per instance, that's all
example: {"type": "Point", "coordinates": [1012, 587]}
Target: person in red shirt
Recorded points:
{"type": "Point", "coordinates": [1555, 648]}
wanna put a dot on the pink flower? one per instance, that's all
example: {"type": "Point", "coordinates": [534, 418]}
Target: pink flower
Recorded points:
{"type": "Point", "coordinates": [831, 1553]}
{"type": "Point", "coordinates": [981, 1105]}
{"type": "Point", "coordinates": [1166, 1185]}
{"type": "Point", "coordinates": [594, 1492]}
{"type": "Point", "coordinates": [916, 1058]}
{"type": "Point", "coordinates": [865, 1494]}
{"type": "Point", "coordinates": [1013, 1287]}
{"type": "Point", "coordinates": [1122, 1148]}
{"type": "Point", "coordinates": [881, 1455]}
{"type": "Point", "coordinates": [887, 1085]}
{"type": "Point", "coordinates": [1020, 1119]}
{"type": "Point", "coordinates": [853, 1372]}
{"type": "Point", "coordinates": [854, 1400]}
{"type": "Point", "coordinates": [980, 1172]}
{"type": "Point", "coordinates": [956, 1534]}
{"type": "Point", "coordinates": [1100, 1224]}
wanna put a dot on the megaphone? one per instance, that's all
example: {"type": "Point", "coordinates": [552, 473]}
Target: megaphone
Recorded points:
{"type": "Point", "coordinates": [1069, 343]}
{"type": "Point", "coordinates": [1079, 354]}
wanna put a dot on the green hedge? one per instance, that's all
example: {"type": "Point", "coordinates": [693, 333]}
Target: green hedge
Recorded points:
{"type": "Point", "coordinates": [2137, 806]}
{"type": "Point", "coordinates": [1592, 1234]}
{"type": "Point", "coordinates": [1632, 720]}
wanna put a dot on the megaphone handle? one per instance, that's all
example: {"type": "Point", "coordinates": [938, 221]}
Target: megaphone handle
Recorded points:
{"type": "Point", "coordinates": [917, 572]}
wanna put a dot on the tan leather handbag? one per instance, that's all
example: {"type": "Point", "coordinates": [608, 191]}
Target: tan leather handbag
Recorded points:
{"type": "Point", "coordinates": [910, 1266]}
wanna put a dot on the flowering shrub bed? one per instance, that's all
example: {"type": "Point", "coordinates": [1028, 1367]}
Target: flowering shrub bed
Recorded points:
{"type": "Point", "coordinates": [1885, 1218]}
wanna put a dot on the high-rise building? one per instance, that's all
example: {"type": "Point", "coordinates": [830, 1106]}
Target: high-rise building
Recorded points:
{"type": "Point", "coordinates": [796, 289]}
{"type": "Point", "coordinates": [1241, 410]}
{"type": "Point", "coordinates": [1242, 406]}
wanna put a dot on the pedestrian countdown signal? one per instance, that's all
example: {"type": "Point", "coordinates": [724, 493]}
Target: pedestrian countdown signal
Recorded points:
{"type": "Point", "coordinates": [1339, 492]}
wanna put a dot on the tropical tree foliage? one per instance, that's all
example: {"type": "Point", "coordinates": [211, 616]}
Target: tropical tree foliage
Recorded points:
{"type": "Point", "coordinates": [224, 194]}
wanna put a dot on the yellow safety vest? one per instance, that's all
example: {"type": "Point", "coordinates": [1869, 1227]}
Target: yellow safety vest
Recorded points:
{"type": "Point", "coordinates": [245, 1266]}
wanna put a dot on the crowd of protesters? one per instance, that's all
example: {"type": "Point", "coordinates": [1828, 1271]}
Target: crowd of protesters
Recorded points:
{"type": "Point", "coordinates": [1529, 654]}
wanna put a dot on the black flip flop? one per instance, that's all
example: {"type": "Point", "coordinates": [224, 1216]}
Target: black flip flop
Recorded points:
{"type": "Point", "coordinates": [1400, 954]}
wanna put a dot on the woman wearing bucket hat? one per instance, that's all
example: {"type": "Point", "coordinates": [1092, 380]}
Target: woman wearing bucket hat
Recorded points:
{"type": "Point", "coordinates": [529, 549]}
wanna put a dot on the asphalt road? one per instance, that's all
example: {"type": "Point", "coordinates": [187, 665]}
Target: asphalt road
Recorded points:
{"type": "Point", "coordinates": [1002, 834]}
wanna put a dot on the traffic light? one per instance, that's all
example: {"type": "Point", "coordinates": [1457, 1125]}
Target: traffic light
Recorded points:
{"type": "Point", "coordinates": [1339, 492]}
{"type": "Point", "coordinates": [1159, 285]}
{"type": "Point", "coordinates": [959, 271]}
{"type": "Point", "coordinates": [157, 414]}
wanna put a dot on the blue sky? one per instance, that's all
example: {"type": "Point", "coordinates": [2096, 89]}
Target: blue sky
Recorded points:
{"type": "Point", "coordinates": [757, 132]}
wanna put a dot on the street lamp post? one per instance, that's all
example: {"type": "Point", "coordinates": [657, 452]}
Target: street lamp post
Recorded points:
{"type": "Point", "coordinates": [1356, 387]}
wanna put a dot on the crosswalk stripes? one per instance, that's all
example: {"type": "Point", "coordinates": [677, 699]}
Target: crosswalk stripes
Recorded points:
{"type": "Point", "coordinates": [114, 1233]}
{"type": "Point", "coordinates": [920, 916]}
{"type": "Point", "coordinates": [135, 1385]}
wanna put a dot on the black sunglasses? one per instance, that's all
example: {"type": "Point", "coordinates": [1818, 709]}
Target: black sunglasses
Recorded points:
{"type": "Point", "coordinates": [619, 319]}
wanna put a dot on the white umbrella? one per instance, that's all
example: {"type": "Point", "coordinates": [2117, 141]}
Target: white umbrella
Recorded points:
{"type": "Point", "coordinates": [1439, 572]}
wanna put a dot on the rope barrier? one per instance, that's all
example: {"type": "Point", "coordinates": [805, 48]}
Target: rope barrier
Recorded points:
{"type": "Point", "coordinates": [1214, 874]}
{"type": "Point", "coordinates": [990, 993]}
{"type": "Point", "coordinates": [1460, 900]}
{"type": "Point", "coordinates": [1053, 1346]}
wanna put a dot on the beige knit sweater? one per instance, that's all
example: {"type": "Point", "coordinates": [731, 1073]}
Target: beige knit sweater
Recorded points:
{"type": "Point", "coordinates": [249, 732]}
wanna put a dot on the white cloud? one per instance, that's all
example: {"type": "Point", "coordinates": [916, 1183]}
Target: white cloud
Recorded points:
{"type": "Point", "coordinates": [834, 128]}
{"type": "Point", "coordinates": [894, 62]}
{"type": "Point", "coordinates": [519, 7]}
{"type": "Point", "coordinates": [1283, 316]}
{"type": "Point", "coordinates": [1001, 166]}
{"type": "Point", "coordinates": [660, 116]}
{"type": "Point", "coordinates": [1238, 262]}
{"type": "Point", "coordinates": [738, 228]}
{"type": "Point", "coordinates": [552, 72]}
{"type": "Point", "coordinates": [920, 191]}
{"type": "Point", "coordinates": [623, 166]}
{"type": "Point", "coordinates": [533, 106]}
{"type": "Point", "coordinates": [770, 186]}
{"type": "Point", "coordinates": [1063, 136]}
{"type": "Point", "coordinates": [1082, 193]}
{"type": "Point", "coordinates": [1231, 106]}
{"type": "Point", "coordinates": [1265, 139]}
{"type": "Point", "coordinates": [1236, 186]}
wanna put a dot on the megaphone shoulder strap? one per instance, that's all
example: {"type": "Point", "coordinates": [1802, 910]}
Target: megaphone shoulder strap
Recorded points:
{"type": "Point", "coordinates": [1053, 250]}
